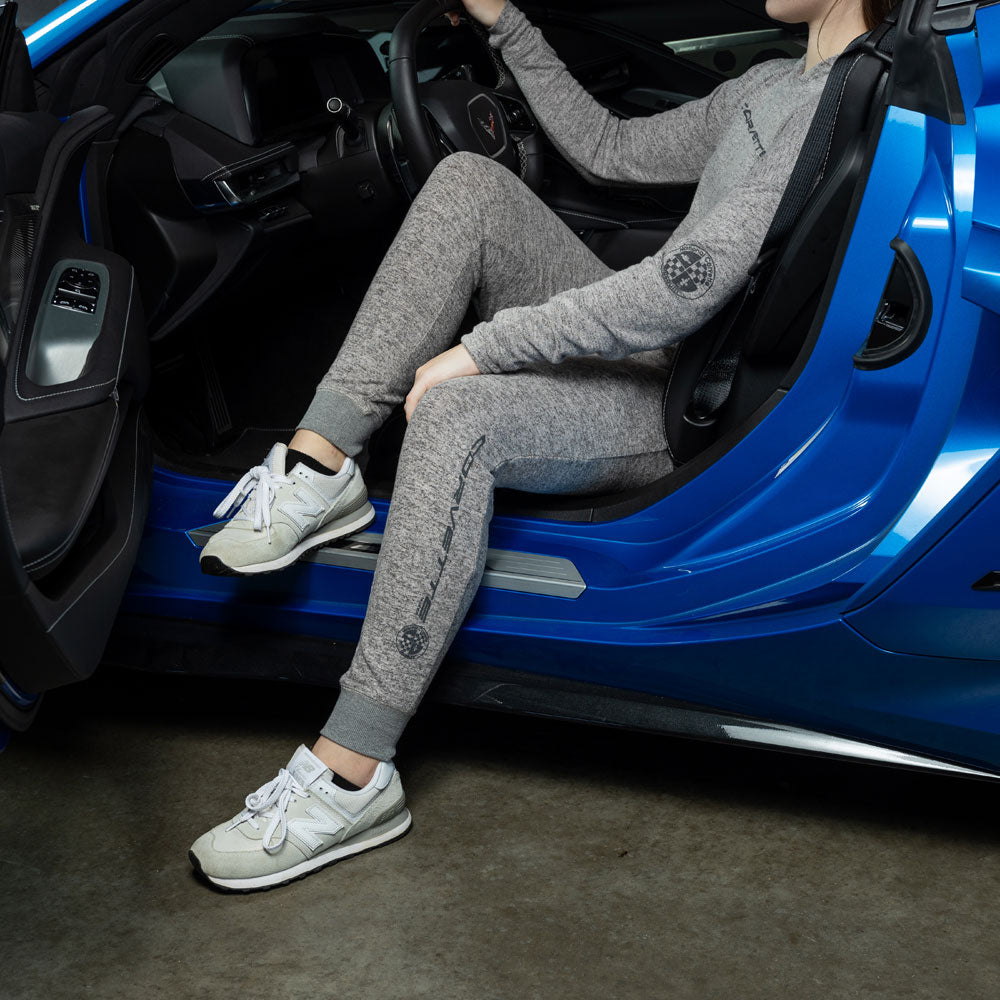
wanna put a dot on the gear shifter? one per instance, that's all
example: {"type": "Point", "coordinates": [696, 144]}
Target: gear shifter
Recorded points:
{"type": "Point", "coordinates": [345, 117]}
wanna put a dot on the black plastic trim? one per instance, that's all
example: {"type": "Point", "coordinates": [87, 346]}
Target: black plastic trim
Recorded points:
{"type": "Point", "coordinates": [923, 76]}
{"type": "Point", "coordinates": [908, 264]}
{"type": "Point", "coordinates": [989, 583]}
{"type": "Point", "coordinates": [204, 649]}
{"type": "Point", "coordinates": [17, 91]}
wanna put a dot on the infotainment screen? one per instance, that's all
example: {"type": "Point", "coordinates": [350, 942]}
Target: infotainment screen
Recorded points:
{"type": "Point", "coordinates": [283, 90]}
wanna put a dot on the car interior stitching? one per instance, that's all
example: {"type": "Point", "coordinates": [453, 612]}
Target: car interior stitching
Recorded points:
{"type": "Point", "coordinates": [125, 541]}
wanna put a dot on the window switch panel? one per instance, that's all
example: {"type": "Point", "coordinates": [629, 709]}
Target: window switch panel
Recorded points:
{"type": "Point", "coordinates": [77, 289]}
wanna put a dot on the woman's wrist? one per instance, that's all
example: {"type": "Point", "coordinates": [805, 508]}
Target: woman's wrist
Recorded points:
{"type": "Point", "coordinates": [486, 12]}
{"type": "Point", "coordinates": [497, 13]}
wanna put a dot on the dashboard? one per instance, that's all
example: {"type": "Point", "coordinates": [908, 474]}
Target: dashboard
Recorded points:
{"type": "Point", "coordinates": [232, 154]}
{"type": "Point", "coordinates": [260, 79]}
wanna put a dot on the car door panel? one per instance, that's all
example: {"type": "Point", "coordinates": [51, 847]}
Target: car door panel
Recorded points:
{"type": "Point", "coordinates": [63, 621]}
{"type": "Point", "coordinates": [75, 466]}
{"type": "Point", "coordinates": [45, 522]}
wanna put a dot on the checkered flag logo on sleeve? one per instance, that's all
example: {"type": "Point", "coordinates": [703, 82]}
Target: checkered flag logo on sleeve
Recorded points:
{"type": "Point", "coordinates": [689, 272]}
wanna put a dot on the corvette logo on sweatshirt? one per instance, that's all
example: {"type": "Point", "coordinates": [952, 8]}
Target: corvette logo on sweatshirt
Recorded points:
{"type": "Point", "coordinates": [758, 146]}
{"type": "Point", "coordinates": [411, 641]}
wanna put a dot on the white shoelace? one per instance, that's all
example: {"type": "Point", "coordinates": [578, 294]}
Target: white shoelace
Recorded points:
{"type": "Point", "coordinates": [275, 795]}
{"type": "Point", "coordinates": [259, 485]}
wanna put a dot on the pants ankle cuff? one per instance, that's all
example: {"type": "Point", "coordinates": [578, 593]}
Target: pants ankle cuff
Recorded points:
{"type": "Point", "coordinates": [365, 726]}
{"type": "Point", "coordinates": [338, 419]}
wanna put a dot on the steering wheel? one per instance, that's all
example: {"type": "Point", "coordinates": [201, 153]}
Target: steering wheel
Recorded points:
{"type": "Point", "coordinates": [444, 116]}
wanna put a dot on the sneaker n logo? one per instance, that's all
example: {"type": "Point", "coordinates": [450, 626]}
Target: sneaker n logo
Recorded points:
{"type": "Point", "coordinates": [306, 507]}
{"type": "Point", "coordinates": [308, 831]}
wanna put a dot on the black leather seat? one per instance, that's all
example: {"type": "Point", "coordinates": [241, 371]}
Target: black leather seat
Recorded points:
{"type": "Point", "coordinates": [777, 328]}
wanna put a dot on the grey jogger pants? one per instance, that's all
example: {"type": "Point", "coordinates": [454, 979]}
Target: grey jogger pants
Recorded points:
{"type": "Point", "coordinates": [586, 425]}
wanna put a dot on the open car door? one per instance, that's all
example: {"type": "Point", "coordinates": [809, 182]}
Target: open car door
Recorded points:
{"type": "Point", "coordinates": [75, 463]}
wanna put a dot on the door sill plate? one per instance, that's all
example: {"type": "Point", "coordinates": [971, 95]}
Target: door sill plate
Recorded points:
{"type": "Point", "coordinates": [523, 572]}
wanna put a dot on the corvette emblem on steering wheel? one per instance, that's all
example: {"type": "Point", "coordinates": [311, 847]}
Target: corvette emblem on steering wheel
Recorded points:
{"type": "Point", "coordinates": [490, 126]}
{"type": "Point", "coordinates": [487, 122]}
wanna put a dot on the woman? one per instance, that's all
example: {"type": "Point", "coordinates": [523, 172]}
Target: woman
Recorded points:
{"type": "Point", "coordinates": [559, 390]}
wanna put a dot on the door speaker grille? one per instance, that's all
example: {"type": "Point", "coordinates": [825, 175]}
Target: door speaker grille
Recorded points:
{"type": "Point", "coordinates": [18, 230]}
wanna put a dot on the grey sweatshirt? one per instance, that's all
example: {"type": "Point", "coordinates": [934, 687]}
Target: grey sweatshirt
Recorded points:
{"type": "Point", "coordinates": [739, 143]}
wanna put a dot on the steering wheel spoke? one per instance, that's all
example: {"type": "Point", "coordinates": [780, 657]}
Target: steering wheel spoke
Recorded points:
{"type": "Point", "coordinates": [445, 146]}
{"type": "Point", "coordinates": [470, 116]}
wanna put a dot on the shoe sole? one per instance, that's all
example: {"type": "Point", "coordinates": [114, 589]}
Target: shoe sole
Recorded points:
{"type": "Point", "coordinates": [377, 836]}
{"type": "Point", "coordinates": [214, 566]}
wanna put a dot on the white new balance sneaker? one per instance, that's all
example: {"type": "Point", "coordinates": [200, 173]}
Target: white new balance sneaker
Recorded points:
{"type": "Point", "coordinates": [284, 514]}
{"type": "Point", "coordinates": [298, 823]}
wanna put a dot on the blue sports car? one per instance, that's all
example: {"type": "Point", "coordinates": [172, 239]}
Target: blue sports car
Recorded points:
{"type": "Point", "coordinates": [195, 191]}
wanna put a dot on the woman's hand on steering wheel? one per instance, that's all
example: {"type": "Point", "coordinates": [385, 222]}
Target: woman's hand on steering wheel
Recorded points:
{"type": "Point", "coordinates": [485, 12]}
{"type": "Point", "coordinates": [453, 363]}
{"type": "Point", "coordinates": [492, 120]}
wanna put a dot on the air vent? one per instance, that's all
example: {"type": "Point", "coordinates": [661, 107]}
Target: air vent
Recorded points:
{"type": "Point", "coordinates": [154, 56]}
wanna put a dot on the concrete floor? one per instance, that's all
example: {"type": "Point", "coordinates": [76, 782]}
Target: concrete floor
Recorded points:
{"type": "Point", "coordinates": [546, 860]}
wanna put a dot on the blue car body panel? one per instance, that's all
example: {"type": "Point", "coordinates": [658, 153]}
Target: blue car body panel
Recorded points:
{"type": "Point", "coordinates": [820, 573]}
{"type": "Point", "coordinates": [68, 21]}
